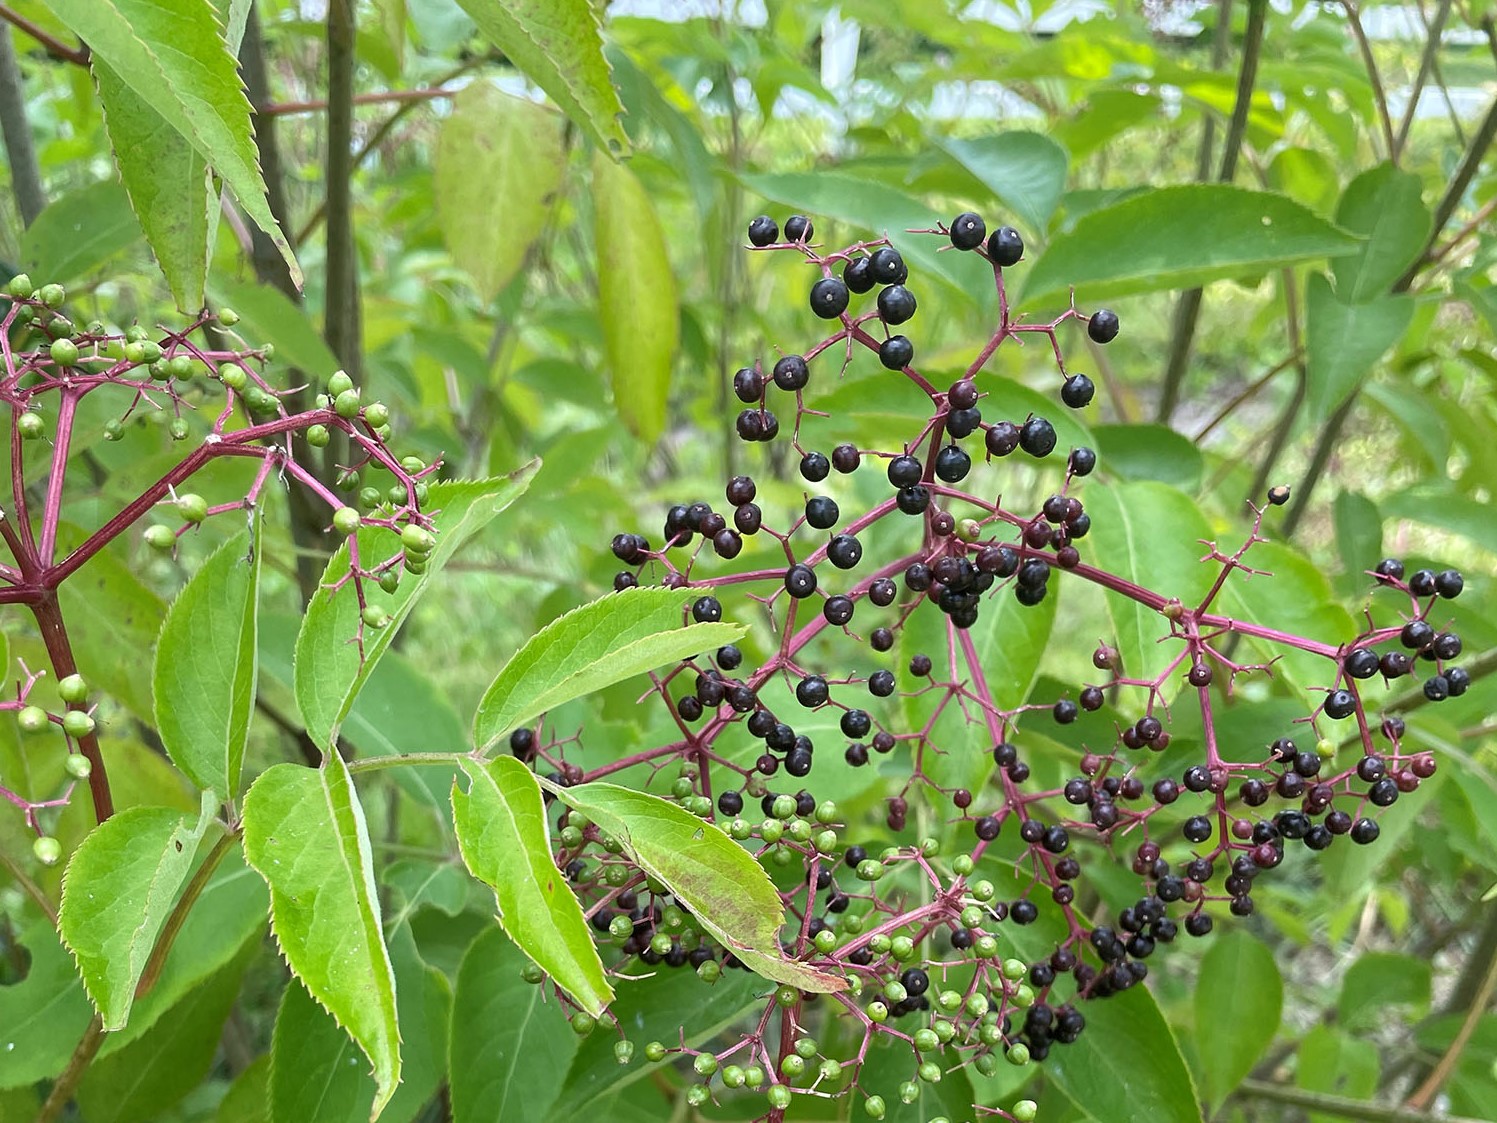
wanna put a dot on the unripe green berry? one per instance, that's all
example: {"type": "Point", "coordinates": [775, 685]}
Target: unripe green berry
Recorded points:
{"type": "Point", "coordinates": [232, 377]}
{"type": "Point", "coordinates": [874, 1107]}
{"type": "Point", "coordinates": [986, 947]}
{"type": "Point", "coordinates": [926, 1040]}
{"type": "Point", "coordinates": [831, 1071]}
{"type": "Point", "coordinates": [977, 1004]}
{"type": "Point", "coordinates": [971, 916]}
{"type": "Point", "coordinates": [318, 436]}
{"type": "Point", "coordinates": [19, 286]}
{"type": "Point", "coordinates": [825, 941]}
{"type": "Point", "coordinates": [740, 829]}
{"type": "Point", "coordinates": [76, 724]}
{"type": "Point", "coordinates": [376, 414]}
{"type": "Point", "coordinates": [571, 837]}
{"type": "Point", "coordinates": [894, 991]}
{"type": "Point", "coordinates": [259, 402]}
{"type": "Point", "coordinates": [753, 1076]}
{"type": "Point", "coordinates": [806, 1047]}
{"type": "Point", "coordinates": [1014, 969]}
{"type": "Point", "coordinates": [784, 858]}
{"type": "Point", "coordinates": [78, 766]}
{"type": "Point", "coordinates": [878, 1012]}
{"type": "Point", "coordinates": [733, 1076]}
{"type": "Point", "coordinates": [417, 540]}
{"type": "Point", "coordinates": [374, 616]}
{"type": "Point", "coordinates": [945, 1031]}
{"type": "Point", "coordinates": [826, 841]}
{"type": "Point", "coordinates": [930, 1072]}
{"type": "Point", "coordinates": [854, 923]}
{"type": "Point", "coordinates": [623, 1051]}
{"type": "Point", "coordinates": [986, 1063]}
{"type": "Point", "coordinates": [783, 807]}
{"type": "Point", "coordinates": [396, 495]}
{"type": "Point", "coordinates": [786, 995]}
{"type": "Point", "coordinates": [983, 890]}
{"type": "Point", "coordinates": [771, 831]}
{"type": "Point", "coordinates": [826, 812]}
{"type": "Point", "coordinates": [52, 296]}
{"type": "Point", "coordinates": [228, 317]}
{"type": "Point", "coordinates": [949, 1000]}
{"type": "Point", "coordinates": [533, 974]}
{"type": "Point", "coordinates": [178, 428]}
{"type": "Point", "coordinates": [660, 943]}
{"type": "Point", "coordinates": [413, 464]}
{"type": "Point", "coordinates": [902, 948]}
{"type": "Point", "coordinates": [339, 383]}
{"type": "Point", "coordinates": [583, 1023]}
{"type": "Point", "coordinates": [48, 850]}
{"type": "Point", "coordinates": [710, 971]}
{"type": "Point", "coordinates": [698, 1095]}
{"type": "Point", "coordinates": [192, 507]}
{"type": "Point", "coordinates": [346, 520]}
{"type": "Point", "coordinates": [961, 865]}
{"type": "Point", "coordinates": [180, 366]}
{"type": "Point", "coordinates": [621, 927]}
{"type": "Point", "coordinates": [1025, 1111]}
{"type": "Point", "coordinates": [909, 1092]}
{"type": "Point", "coordinates": [370, 498]}
{"type": "Point", "coordinates": [654, 1052]}
{"type": "Point", "coordinates": [32, 719]}
{"type": "Point", "coordinates": [779, 1096]}
{"type": "Point", "coordinates": [346, 405]}
{"type": "Point", "coordinates": [59, 327]}
{"type": "Point", "coordinates": [799, 830]}
{"type": "Point", "coordinates": [870, 869]}
{"type": "Point", "coordinates": [969, 530]}
{"type": "Point", "coordinates": [30, 426]}
{"type": "Point", "coordinates": [879, 945]}
{"type": "Point", "coordinates": [64, 352]}
{"type": "Point", "coordinates": [705, 1064]}
{"type": "Point", "coordinates": [1023, 996]}
{"type": "Point", "coordinates": [160, 537]}
{"type": "Point", "coordinates": [384, 433]}
{"type": "Point", "coordinates": [991, 1035]}
{"type": "Point", "coordinates": [1018, 1054]}
{"type": "Point", "coordinates": [114, 429]}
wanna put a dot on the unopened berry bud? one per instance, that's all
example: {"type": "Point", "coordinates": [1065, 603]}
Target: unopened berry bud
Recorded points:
{"type": "Point", "coordinates": [48, 850]}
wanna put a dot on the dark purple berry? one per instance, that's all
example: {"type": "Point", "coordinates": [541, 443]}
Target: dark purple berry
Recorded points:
{"type": "Point", "coordinates": [896, 304]}
{"type": "Point", "coordinates": [799, 228]}
{"type": "Point", "coordinates": [1102, 326]}
{"type": "Point", "coordinates": [763, 231]}
{"type": "Point", "coordinates": [829, 298]}
{"type": "Point", "coordinates": [1005, 246]}
{"type": "Point", "coordinates": [968, 230]}
{"type": "Point", "coordinates": [896, 352]}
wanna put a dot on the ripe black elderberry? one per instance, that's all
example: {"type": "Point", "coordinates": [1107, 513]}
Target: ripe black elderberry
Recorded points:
{"type": "Point", "coordinates": [799, 228]}
{"type": "Point", "coordinates": [822, 512]}
{"type": "Point", "coordinates": [1102, 326]}
{"type": "Point", "coordinates": [857, 274]}
{"type": "Point", "coordinates": [896, 304]}
{"type": "Point", "coordinates": [1077, 391]}
{"type": "Point", "coordinates": [815, 467]}
{"type": "Point", "coordinates": [791, 373]}
{"type": "Point", "coordinates": [896, 352]}
{"type": "Point", "coordinates": [952, 466]}
{"type": "Point", "coordinates": [1037, 437]}
{"type": "Point", "coordinates": [1005, 246]}
{"type": "Point", "coordinates": [829, 298]}
{"type": "Point", "coordinates": [968, 231]}
{"type": "Point", "coordinates": [844, 551]}
{"type": "Point", "coordinates": [888, 266]}
{"type": "Point", "coordinates": [748, 385]}
{"type": "Point", "coordinates": [763, 231]}
{"type": "Point", "coordinates": [800, 581]}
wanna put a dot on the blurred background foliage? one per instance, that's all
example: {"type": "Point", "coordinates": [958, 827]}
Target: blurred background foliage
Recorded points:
{"type": "Point", "coordinates": [517, 293]}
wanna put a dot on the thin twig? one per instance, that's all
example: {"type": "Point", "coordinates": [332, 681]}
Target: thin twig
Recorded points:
{"type": "Point", "coordinates": [289, 108]}
{"type": "Point", "coordinates": [1339, 1105]}
{"type": "Point", "coordinates": [342, 314]}
{"type": "Point", "coordinates": [1379, 98]}
{"type": "Point", "coordinates": [25, 172]}
{"type": "Point", "coordinates": [1434, 34]}
{"type": "Point", "coordinates": [78, 56]}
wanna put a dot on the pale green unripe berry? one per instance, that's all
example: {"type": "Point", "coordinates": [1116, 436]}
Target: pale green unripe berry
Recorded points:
{"type": "Point", "coordinates": [971, 916]}
{"type": "Point", "coordinates": [986, 1063]}
{"type": "Point", "coordinates": [376, 415]}
{"type": "Point", "coordinates": [825, 941]}
{"type": "Point", "coordinates": [733, 1076]}
{"type": "Point", "coordinates": [786, 995]}
{"type": "Point", "coordinates": [792, 1065]}
{"type": "Point", "coordinates": [779, 1096]}
{"type": "Point", "coordinates": [1018, 1054]}
{"type": "Point", "coordinates": [961, 865]}
{"type": "Point", "coordinates": [192, 507]}
{"type": "Point", "coordinates": [623, 1051]}
{"type": "Point", "coordinates": [32, 719]}
{"type": "Point", "coordinates": [375, 617]}
{"type": "Point", "coordinates": [785, 858]}
{"type": "Point", "coordinates": [1025, 1111]}
{"type": "Point", "coordinates": [806, 1047]}
{"type": "Point", "coordinates": [753, 1076]}
{"type": "Point", "coordinates": [346, 520]}
{"type": "Point", "coordinates": [64, 352]}
{"type": "Point", "coordinates": [346, 405]}
{"type": "Point", "coordinates": [20, 286]}
{"type": "Point", "coordinates": [228, 317]}
{"type": "Point", "coordinates": [533, 974]}
{"type": "Point", "coordinates": [878, 1012]}
{"type": "Point", "coordinates": [771, 831]}
{"type": "Point", "coordinates": [654, 1052]}
{"type": "Point", "coordinates": [895, 992]}
{"type": "Point", "coordinates": [983, 890]}
{"type": "Point", "coordinates": [740, 829]}
{"type": "Point", "coordinates": [902, 948]}
{"type": "Point", "coordinates": [945, 1031]}
{"type": "Point", "coordinates": [826, 841]}
{"type": "Point", "coordinates": [660, 943]}
{"type": "Point", "coordinates": [710, 971]}
{"type": "Point", "coordinates": [870, 869]}
{"type": "Point", "coordinates": [853, 923]}
{"type": "Point", "coordinates": [949, 1000]}
{"type": "Point", "coordinates": [705, 1064]}
{"type": "Point", "coordinates": [1014, 969]}
{"type": "Point", "coordinates": [339, 383]}
{"type": "Point", "coordinates": [318, 436]}
{"type": "Point", "coordinates": [783, 806]}
{"type": "Point", "coordinates": [879, 945]}
{"type": "Point", "coordinates": [874, 1107]}
{"type": "Point", "coordinates": [583, 1023]}
{"type": "Point", "coordinates": [826, 812]}
{"type": "Point", "coordinates": [977, 1004]}
{"type": "Point", "coordinates": [926, 1040]}
{"type": "Point", "coordinates": [48, 850]}
{"type": "Point", "coordinates": [78, 766]}
{"type": "Point", "coordinates": [986, 947]}
{"type": "Point", "coordinates": [831, 1071]}
{"type": "Point", "coordinates": [76, 724]}
{"type": "Point", "coordinates": [178, 429]}
{"type": "Point", "coordinates": [53, 296]}
{"type": "Point", "coordinates": [30, 425]}
{"type": "Point", "coordinates": [909, 1092]}
{"type": "Point", "coordinates": [621, 927]}
{"type": "Point", "coordinates": [417, 540]}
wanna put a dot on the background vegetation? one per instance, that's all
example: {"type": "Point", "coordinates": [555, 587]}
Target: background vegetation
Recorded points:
{"type": "Point", "coordinates": [474, 257]}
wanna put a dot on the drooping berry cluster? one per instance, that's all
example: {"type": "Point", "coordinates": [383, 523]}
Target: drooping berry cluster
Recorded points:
{"type": "Point", "coordinates": [938, 958]}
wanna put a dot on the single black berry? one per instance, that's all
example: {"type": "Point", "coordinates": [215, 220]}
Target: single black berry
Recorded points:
{"type": "Point", "coordinates": [1002, 438]}
{"type": "Point", "coordinates": [829, 298]}
{"type": "Point", "coordinates": [896, 352]}
{"type": "Point", "coordinates": [888, 266]}
{"type": "Point", "coordinates": [1082, 461]}
{"type": "Point", "coordinates": [858, 275]}
{"type": "Point", "coordinates": [881, 684]}
{"type": "Point", "coordinates": [748, 385]}
{"type": "Point", "coordinates": [837, 610]}
{"type": "Point", "coordinates": [968, 230]}
{"type": "Point", "coordinates": [896, 304]}
{"type": "Point", "coordinates": [1037, 437]}
{"type": "Point", "coordinates": [1103, 326]}
{"type": "Point", "coordinates": [963, 422]}
{"type": "Point", "coordinates": [729, 657]}
{"type": "Point", "coordinates": [1340, 704]}
{"type": "Point", "coordinates": [822, 512]}
{"type": "Point", "coordinates": [844, 551]}
{"type": "Point", "coordinates": [730, 802]}
{"type": "Point", "coordinates": [1362, 663]}
{"type": "Point", "coordinates": [815, 467]}
{"type": "Point", "coordinates": [912, 500]}
{"type": "Point", "coordinates": [707, 610]}
{"type": "Point", "coordinates": [1077, 391]}
{"type": "Point", "coordinates": [763, 231]}
{"type": "Point", "coordinates": [1364, 831]}
{"type": "Point", "coordinates": [905, 471]}
{"type": "Point", "coordinates": [800, 581]}
{"type": "Point", "coordinates": [1449, 583]}
{"type": "Point", "coordinates": [1422, 583]}
{"type": "Point", "coordinates": [799, 228]}
{"type": "Point", "coordinates": [1390, 569]}
{"type": "Point", "coordinates": [791, 373]}
{"type": "Point", "coordinates": [1005, 246]}
{"type": "Point", "coordinates": [882, 593]}
{"type": "Point", "coordinates": [952, 466]}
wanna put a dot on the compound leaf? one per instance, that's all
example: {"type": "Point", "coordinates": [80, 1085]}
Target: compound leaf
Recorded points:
{"type": "Point", "coordinates": [330, 671]}
{"type": "Point", "coordinates": [1180, 237]}
{"type": "Point", "coordinates": [304, 833]}
{"type": "Point", "coordinates": [1239, 1001]}
{"type": "Point", "coordinates": [503, 837]}
{"type": "Point", "coordinates": [173, 56]}
{"type": "Point", "coordinates": [206, 667]}
{"type": "Point", "coordinates": [120, 886]}
{"type": "Point", "coordinates": [719, 881]}
{"type": "Point", "coordinates": [558, 45]}
{"type": "Point", "coordinates": [496, 152]}
{"type": "Point", "coordinates": [639, 336]}
{"type": "Point", "coordinates": [509, 1048]}
{"type": "Point", "coordinates": [616, 637]}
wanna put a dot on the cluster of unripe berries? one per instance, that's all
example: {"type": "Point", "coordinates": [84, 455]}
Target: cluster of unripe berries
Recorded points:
{"type": "Point", "coordinates": [76, 723]}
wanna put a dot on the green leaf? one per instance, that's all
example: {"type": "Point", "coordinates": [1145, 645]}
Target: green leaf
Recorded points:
{"type": "Point", "coordinates": [78, 233]}
{"type": "Point", "coordinates": [1180, 237]}
{"type": "Point", "coordinates": [119, 888]}
{"type": "Point", "coordinates": [639, 336]}
{"type": "Point", "coordinates": [1384, 204]}
{"type": "Point", "coordinates": [167, 179]}
{"type": "Point", "coordinates": [1127, 1065]}
{"type": "Point", "coordinates": [719, 881]}
{"type": "Point", "coordinates": [43, 1016]}
{"type": "Point", "coordinates": [1343, 341]}
{"type": "Point", "coordinates": [304, 833]}
{"type": "Point", "coordinates": [558, 45]}
{"type": "Point", "coordinates": [1238, 1002]}
{"type": "Point", "coordinates": [248, 1098]}
{"type": "Point", "coordinates": [1148, 534]}
{"type": "Point", "coordinates": [229, 913]}
{"type": "Point", "coordinates": [206, 666]}
{"type": "Point", "coordinates": [329, 671]}
{"type": "Point", "coordinates": [172, 55]}
{"type": "Point", "coordinates": [315, 1070]}
{"type": "Point", "coordinates": [667, 1006]}
{"type": "Point", "coordinates": [888, 1065]}
{"type": "Point", "coordinates": [143, 1081]}
{"type": "Point", "coordinates": [1359, 539]}
{"type": "Point", "coordinates": [496, 152]}
{"type": "Point", "coordinates": [1331, 1060]}
{"type": "Point", "coordinates": [503, 836]}
{"type": "Point", "coordinates": [1378, 980]}
{"type": "Point", "coordinates": [1026, 171]}
{"type": "Point", "coordinates": [1440, 505]}
{"type": "Point", "coordinates": [509, 1047]}
{"type": "Point", "coordinates": [1149, 452]}
{"type": "Point", "coordinates": [267, 316]}
{"type": "Point", "coordinates": [604, 642]}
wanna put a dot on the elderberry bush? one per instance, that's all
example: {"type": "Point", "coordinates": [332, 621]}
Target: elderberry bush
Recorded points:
{"type": "Point", "coordinates": [881, 601]}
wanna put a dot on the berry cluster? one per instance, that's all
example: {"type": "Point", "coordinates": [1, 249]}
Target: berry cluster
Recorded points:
{"type": "Point", "coordinates": [166, 381]}
{"type": "Point", "coordinates": [936, 956]}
